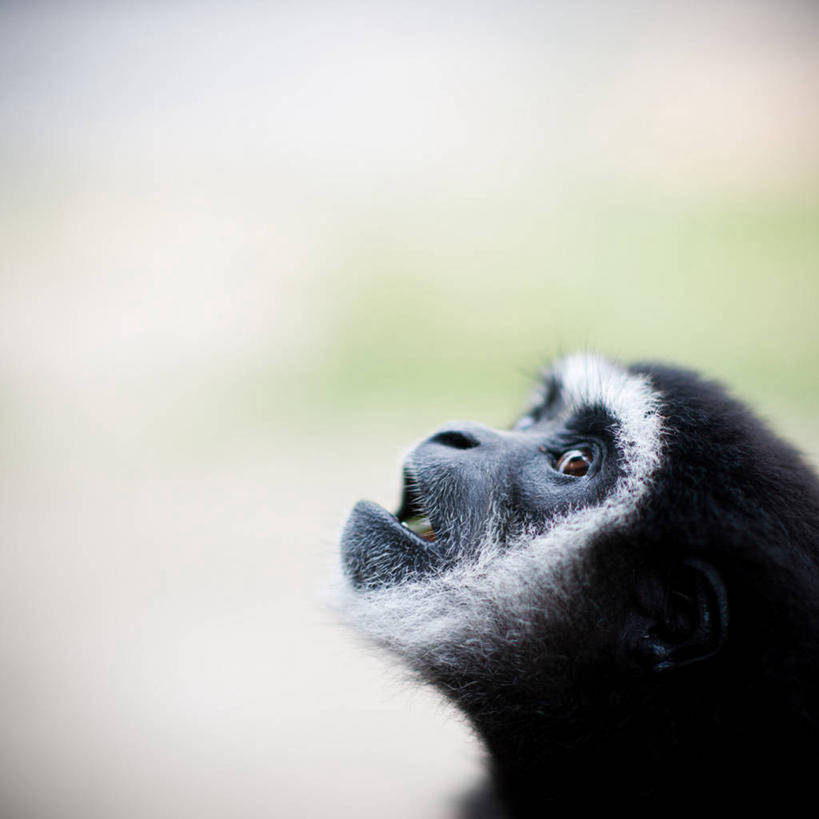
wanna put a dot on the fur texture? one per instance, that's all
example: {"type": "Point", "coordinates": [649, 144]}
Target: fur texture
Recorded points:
{"type": "Point", "coordinates": [591, 643]}
{"type": "Point", "coordinates": [496, 596]}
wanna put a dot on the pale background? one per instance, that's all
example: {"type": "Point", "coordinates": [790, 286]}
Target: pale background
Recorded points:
{"type": "Point", "coordinates": [249, 253]}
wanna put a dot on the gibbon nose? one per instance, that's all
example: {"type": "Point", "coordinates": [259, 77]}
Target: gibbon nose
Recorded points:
{"type": "Point", "coordinates": [455, 438]}
{"type": "Point", "coordinates": [463, 435]}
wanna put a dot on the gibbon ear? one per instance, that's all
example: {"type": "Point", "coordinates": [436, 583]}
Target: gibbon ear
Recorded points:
{"type": "Point", "coordinates": [680, 619]}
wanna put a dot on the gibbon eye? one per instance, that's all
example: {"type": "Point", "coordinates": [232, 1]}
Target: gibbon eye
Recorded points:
{"type": "Point", "coordinates": [575, 462]}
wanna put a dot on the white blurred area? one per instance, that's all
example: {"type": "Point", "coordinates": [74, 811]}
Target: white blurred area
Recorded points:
{"type": "Point", "coordinates": [180, 186]}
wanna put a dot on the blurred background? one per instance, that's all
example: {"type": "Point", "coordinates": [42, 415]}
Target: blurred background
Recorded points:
{"type": "Point", "coordinates": [249, 253]}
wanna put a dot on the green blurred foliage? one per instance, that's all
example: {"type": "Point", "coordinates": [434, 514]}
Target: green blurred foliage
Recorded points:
{"type": "Point", "coordinates": [457, 309]}
{"type": "Point", "coordinates": [452, 311]}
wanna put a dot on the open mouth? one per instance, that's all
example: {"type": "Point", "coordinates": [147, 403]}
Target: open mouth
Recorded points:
{"type": "Point", "coordinates": [412, 513]}
{"type": "Point", "coordinates": [381, 549]}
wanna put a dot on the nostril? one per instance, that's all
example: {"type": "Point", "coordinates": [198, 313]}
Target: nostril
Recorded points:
{"type": "Point", "coordinates": [455, 439]}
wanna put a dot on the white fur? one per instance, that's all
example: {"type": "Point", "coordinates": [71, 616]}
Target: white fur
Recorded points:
{"type": "Point", "coordinates": [494, 599]}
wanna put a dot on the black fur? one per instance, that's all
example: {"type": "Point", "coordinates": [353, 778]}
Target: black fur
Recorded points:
{"type": "Point", "coordinates": [682, 669]}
